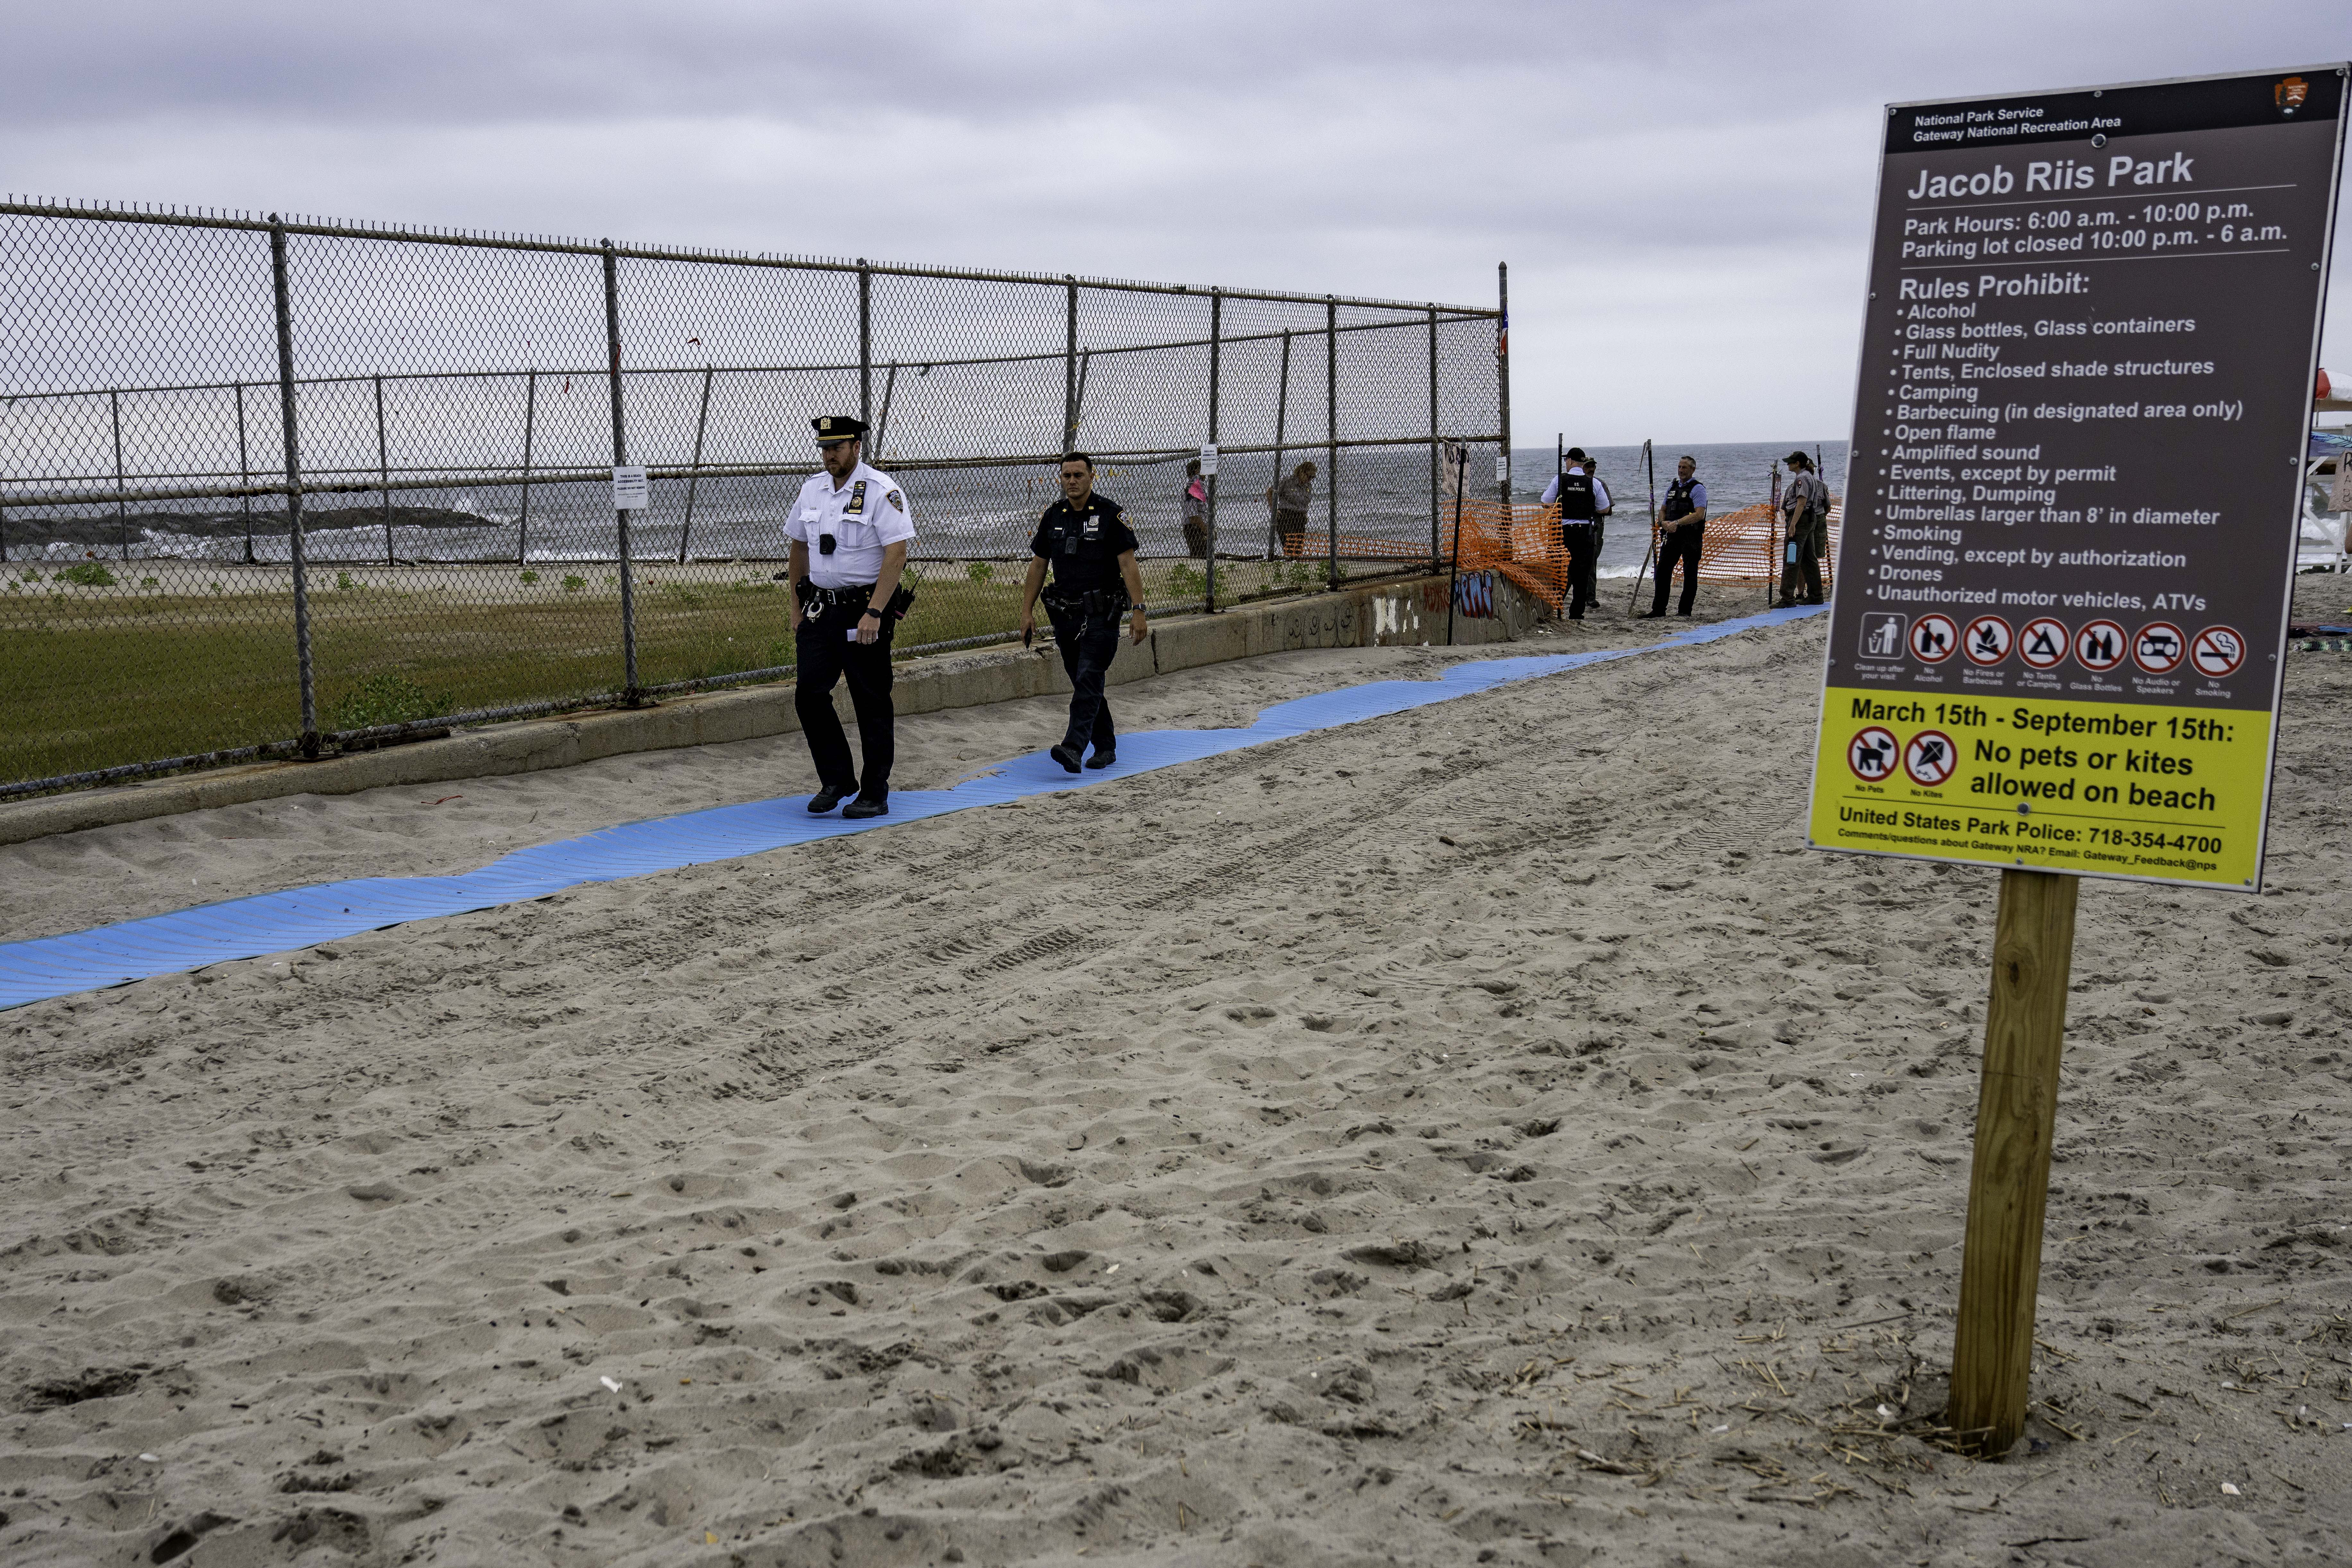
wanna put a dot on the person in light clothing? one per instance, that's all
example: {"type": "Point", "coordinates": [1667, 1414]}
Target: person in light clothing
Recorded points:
{"type": "Point", "coordinates": [849, 530]}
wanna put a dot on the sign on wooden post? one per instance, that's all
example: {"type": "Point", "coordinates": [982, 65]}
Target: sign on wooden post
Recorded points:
{"type": "Point", "coordinates": [2073, 502]}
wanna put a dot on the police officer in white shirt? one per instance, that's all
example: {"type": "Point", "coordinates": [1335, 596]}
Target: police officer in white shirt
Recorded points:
{"type": "Point", "coordinates": [849, 531]}
{"type": "Point", "coordinates": [1582, 501]}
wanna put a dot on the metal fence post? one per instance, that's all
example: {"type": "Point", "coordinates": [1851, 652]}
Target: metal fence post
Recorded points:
{"type": "Point", "coordinates": [694, 475]}
{"type": "Point", "coordinates": [291, 425]}
{"type": "Point", "coordinates": [1281, 415]}
{"type": "Point", "coordinates": [1503, 380]}
{"type": "Point", "coordinates": [1070, 370]}
{"type": "Point", "coordinates": [382, 472]}
{"type": "Point", "coordinates": [121, 502]}
{"type": "Point", "coordinates": [244, 473]}
{"type": "Point", "coordinates": [882, 426]}
{"type": "Point", "coordinates": [1331, 429]}
{"type": "Point", "coordinates": [529, 426]}
{"type": "Point", "coordinates": [1433, 439]}
{"type": "Point", "coordinates": [865, 342]}
{"type": "Point", "coordinates": [629, 690]}
{"type": "Point", "coordinates": [1216, 349]}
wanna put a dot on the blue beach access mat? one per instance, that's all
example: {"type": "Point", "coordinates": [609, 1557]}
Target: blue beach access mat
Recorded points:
{"type": "Point", "coordinates": [277, 923]}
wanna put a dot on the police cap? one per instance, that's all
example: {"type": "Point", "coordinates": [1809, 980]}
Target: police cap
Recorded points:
{"type": "Point", "coordinates": [1798, 459]}
{"type": "Point", "coordinates": [833, 427]}
{"type": "Point", "coordinates": [1576, 455]}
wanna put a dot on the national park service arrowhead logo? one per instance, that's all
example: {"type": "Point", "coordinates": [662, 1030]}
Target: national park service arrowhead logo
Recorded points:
{"type": "Point", "coordinates": [2290, 94]}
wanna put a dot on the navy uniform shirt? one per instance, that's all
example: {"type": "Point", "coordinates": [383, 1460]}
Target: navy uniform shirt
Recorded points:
{"type": "Point", "coordinates": [1084, 545]}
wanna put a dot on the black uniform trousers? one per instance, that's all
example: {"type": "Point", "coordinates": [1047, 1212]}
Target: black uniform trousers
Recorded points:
{"type": "Point", "coordinates": [1582, 542]}
{"type": "Point", "coordinates": [827, 656]}
{"type": "Point", "coordinates": [1678, 544]}
{"type": "Point", "coordinates": [1088, 643]}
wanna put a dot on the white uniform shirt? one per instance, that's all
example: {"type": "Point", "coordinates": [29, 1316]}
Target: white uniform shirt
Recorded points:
{"type": "Point", "coordinates": [1601, 501]}
{"type": "Point", "coordinates": [866, 513]}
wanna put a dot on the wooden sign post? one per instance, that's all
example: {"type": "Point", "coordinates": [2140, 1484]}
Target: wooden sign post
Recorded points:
{"type": "Point", "coordinates": [2057, 645]}
{"type": "Point", "coordinates": [2017, 1106]}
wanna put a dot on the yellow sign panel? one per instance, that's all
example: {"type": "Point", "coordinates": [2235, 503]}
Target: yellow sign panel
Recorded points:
{"type": "Point", "coordinates": [2171, 793]}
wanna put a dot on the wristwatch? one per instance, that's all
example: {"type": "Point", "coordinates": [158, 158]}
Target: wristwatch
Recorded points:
{"type": "Point", "coordinates": [870, 610]}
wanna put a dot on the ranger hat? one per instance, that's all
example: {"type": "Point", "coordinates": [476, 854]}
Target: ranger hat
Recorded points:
{"type": "Point", "coordinates": [1798, 459]}
{"type": "Point", "coordinates": [1576, 454]}
{"type": "Point", "coordinates": [833, 427]}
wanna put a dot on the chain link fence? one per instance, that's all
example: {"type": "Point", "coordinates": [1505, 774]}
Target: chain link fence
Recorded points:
{"type": "Point", "coordinates": [273, 487]}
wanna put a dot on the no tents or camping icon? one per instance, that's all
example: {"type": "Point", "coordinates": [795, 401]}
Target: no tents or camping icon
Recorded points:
{"type": "Point", "coordinates": [1933, 638]}
{"type": "Point", "coordinates": [1872, 753]}
{"type": "Point", "coordinates": [2041, 644]}
{"type": "Point", "coordinates": [1930, 758]}
{"type": "Point", "coordinates": [1987, 640]}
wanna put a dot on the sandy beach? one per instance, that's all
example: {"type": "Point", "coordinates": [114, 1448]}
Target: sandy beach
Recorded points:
{"type": "Point", "coordinates": [1478, 1135]}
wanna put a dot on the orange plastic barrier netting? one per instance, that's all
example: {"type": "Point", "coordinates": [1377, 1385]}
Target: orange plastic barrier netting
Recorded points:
{"type": "Point", "coordinates": [1522, 543]}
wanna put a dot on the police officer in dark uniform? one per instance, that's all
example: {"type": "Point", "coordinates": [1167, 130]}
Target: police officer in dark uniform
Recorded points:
{"type": "Point", "coordinates": [1582, 501]}
{"type": "Point", "coordinates": [849, 530]}
{"type": "Point", "coordinates": [1682, 529]}
{"type": "Point", "coordinates": [1092, 553]}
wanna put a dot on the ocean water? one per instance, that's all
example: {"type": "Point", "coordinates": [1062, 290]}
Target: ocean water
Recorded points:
{"type": "Point", "coordinates": [1737, 473]}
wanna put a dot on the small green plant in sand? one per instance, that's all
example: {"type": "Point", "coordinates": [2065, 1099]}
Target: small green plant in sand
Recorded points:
{"type": "Point", "coordinates": [390, 698]}
{"type": "Point", "coordinates": [980, 571]}
{"type": "Point", "coordinates": [89, 574]}
{"type": "Point", "coordinates": [573, 584]}
{"type": "Point", "coordinates": [528, 577]}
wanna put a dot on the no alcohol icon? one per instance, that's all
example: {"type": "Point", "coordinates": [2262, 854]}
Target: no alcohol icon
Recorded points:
{"type": "Point", "coordinates": [1933, 638]}
{"type": "Point", "coordinates": [1930, 758]}
{"type": "Point", "coordinates": [2218, 651]}
{"type": "Point", "coordinates": [1987, 640]}
{"type": "Point", "coordinates": [1872, 753]}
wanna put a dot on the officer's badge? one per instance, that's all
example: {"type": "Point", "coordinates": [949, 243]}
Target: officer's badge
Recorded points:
{"type": "Point", "coordinates": [856, 507]}
{"type": "Point", "coordinates": [897, 502]}
{"type": "Point", "coordinates": [1094, 525]}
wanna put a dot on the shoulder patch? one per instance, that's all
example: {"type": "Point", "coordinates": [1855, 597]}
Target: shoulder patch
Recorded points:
{"type": "Point", "coordinates": [897, 502]}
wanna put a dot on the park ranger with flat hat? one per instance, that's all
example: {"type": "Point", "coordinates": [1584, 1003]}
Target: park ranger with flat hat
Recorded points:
{"type": "Point", "coordinates": [849, 530]}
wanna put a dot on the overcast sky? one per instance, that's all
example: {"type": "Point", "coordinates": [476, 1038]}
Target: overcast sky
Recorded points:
{"type": "Point", "coordinates": [1682, 190]}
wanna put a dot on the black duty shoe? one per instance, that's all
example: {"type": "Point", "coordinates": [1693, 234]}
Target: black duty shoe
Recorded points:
{"type": "Point", "coordinates": [828, 797]}
{"type": "Point", "coordinates": [1065, 756]}
{"type": "Point", "coordinates": [865, 805]}
{"type": "Point", "coordinates": [1102, 758]}
{"type": "Point", "coordinates": [1651, 615]}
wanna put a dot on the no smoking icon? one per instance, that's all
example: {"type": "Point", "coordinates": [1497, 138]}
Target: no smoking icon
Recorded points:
{"type": "Point", "coordinates": [2218, 651]}
{"type": "Point", "coordinates": [1871, 752]}
{"type": "Point", "coordinates": [1930, 758]}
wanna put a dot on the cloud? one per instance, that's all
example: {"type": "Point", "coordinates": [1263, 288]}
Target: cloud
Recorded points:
{"type": "Point", "coordinates": [1683, 191]}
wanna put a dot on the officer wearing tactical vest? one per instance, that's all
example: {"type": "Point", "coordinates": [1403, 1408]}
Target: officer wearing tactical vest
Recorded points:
{"type": "Point", "coordinates": [1581, 499]}
{"type": "Point", "coordinates": [849, 530]}
{"type": "Point", "coordinates": [1092, 553]}
{"type": "Point", "coordinates": [1682, 527]}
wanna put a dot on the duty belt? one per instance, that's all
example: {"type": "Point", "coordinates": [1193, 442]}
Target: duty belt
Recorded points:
{"type": "Point", "coordinates": [815, 601]}
{"type": "Point", "coordinates": [1092, 602]}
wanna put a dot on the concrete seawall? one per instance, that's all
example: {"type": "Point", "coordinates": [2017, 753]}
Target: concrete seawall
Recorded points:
{"type": "Point", "coordinates": [1406, 612]}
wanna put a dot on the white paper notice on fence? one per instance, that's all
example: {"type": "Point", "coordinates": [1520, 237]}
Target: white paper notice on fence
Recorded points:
{"type": "Point", "coordinates": [1208, 460]}
{"type": "Point", "coordinates": [629, 490]}
{"type": "Point", "coordinates": [1503, 468]}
